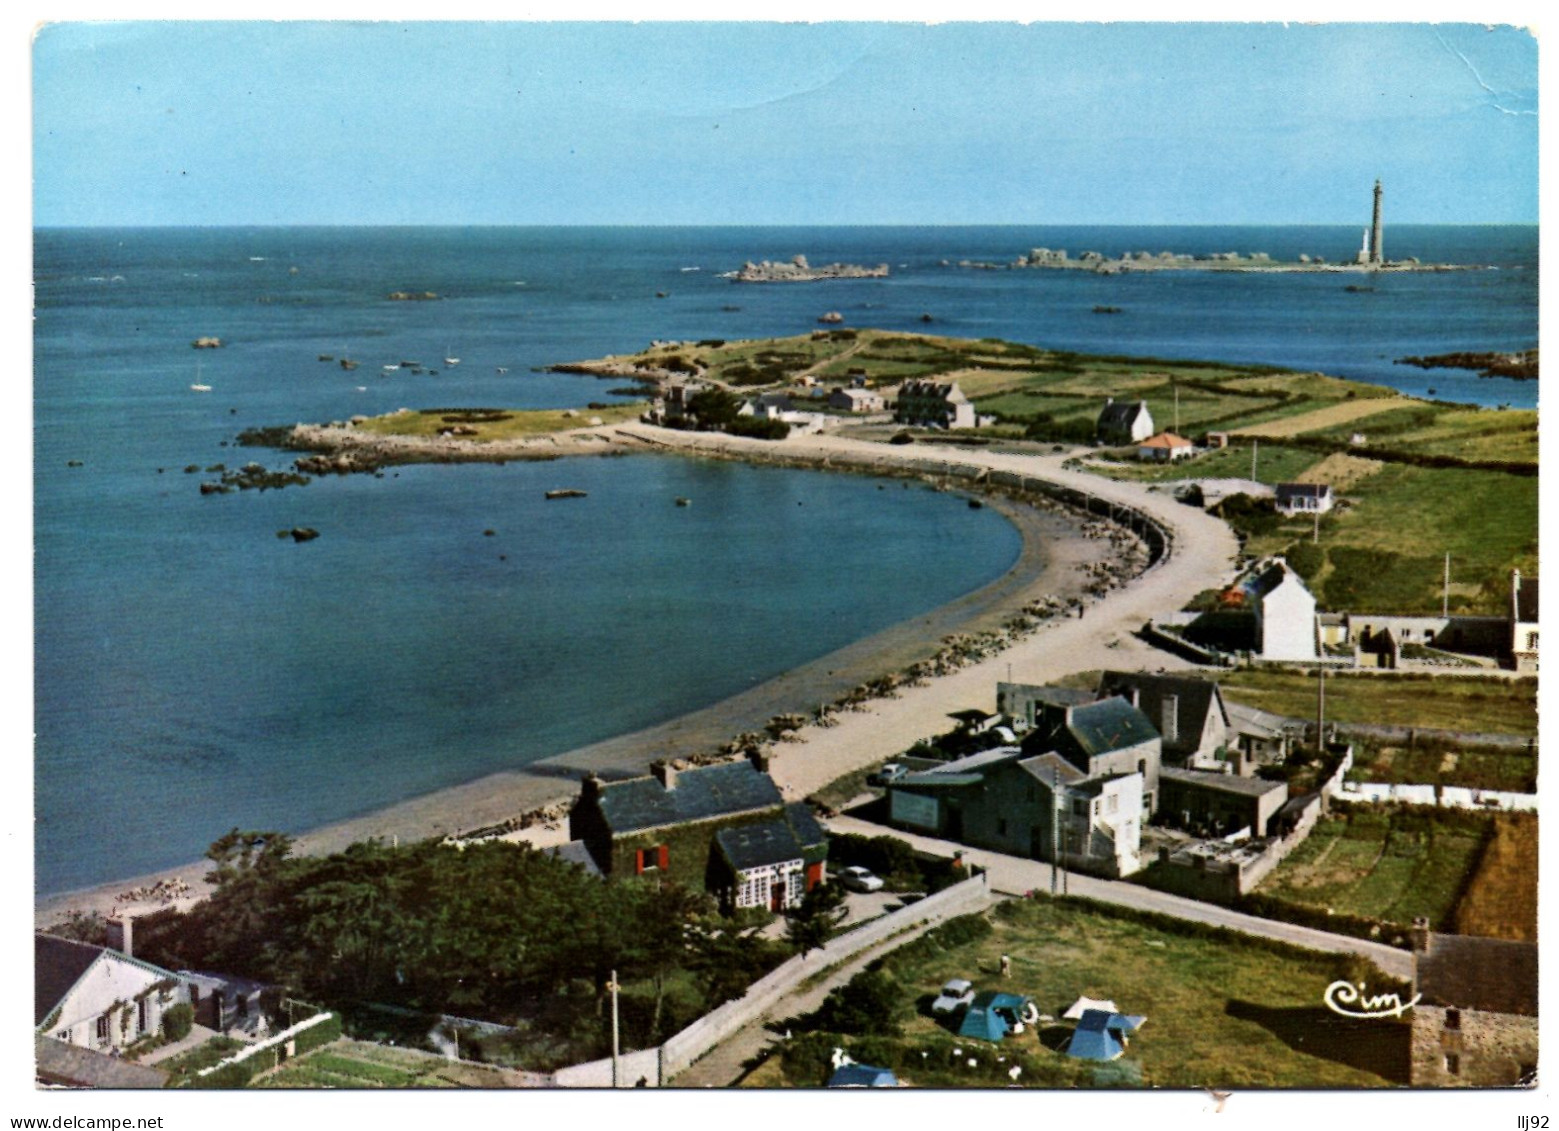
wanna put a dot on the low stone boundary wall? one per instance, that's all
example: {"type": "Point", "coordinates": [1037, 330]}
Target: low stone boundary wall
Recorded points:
{"type": "Point", "coordinates": [1442, 796]}
{"type": "Point", "coordinates": [657, 1066]}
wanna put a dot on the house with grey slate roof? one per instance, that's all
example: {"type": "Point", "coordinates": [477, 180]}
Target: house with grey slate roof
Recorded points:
{"type": "Point", "coordinates": [1123, 422]}
{"type": "Point", "coordinates": [1475, 1024]}
{"type": "Point", "coordinates": [1190, 714]}
{"type": "Point", "coordinates": [724, 828]}
{"type": "Point", "coordinates": [98, 998]}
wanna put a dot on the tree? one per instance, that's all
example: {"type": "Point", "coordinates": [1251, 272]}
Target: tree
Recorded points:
{"type": "Point", "coordinates": [813, 923]}
{"type": "Point", "coordinates": [714, 408]}
{"type": "Point", "coordinates": [864, 1004]}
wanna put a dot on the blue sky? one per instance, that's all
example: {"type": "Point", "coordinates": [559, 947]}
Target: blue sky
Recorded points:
{"type": "Point", "coordinates": [850, 123]}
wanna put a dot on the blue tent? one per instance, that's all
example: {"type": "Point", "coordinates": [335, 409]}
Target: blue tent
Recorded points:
{"type": "Point", "coordinates": [862, 1076]}
{"type": "Point", "coordinates": [1096, 1038]}
{"type": "Point", "coordinates": [991, 1015]}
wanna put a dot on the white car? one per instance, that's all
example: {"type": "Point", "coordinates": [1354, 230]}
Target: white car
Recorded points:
{"type": "Point", "coordinates": [857, 878]}
{"type": "Point", "coordinates": [955, 995]}
{"type": "Point", "coordinates": [889, 774]}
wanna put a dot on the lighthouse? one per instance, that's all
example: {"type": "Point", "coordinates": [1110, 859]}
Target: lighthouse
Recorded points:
{"type": "Point", "coordinates": [1376, 232]}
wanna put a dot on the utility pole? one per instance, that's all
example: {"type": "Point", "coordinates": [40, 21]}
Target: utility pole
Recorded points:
{"type": "Point", "coordinates": [1317, 537]}
{"type": "Point", "coordinates": [612, 985]}
{"type": "Point", "coordinates": [1177, 410]}
{"type": "Point", "coordinates": [1320, 710]}
{"type": "Point", "coordinates": [1445, 593]}
{"type": "Point", "coordinates": [1255, 445]}
{"type": "Point", "coordinates": [1055, 828]}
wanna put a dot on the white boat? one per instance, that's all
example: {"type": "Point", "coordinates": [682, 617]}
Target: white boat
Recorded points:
{"type": "Point", "coordinates": [201, 388]}
{"type": "Point", "coordinates": [389, 368]}
{"type": "Point", "coordinates": [503, 369]}
{"type": "Point", "coordinates": [451, 360]}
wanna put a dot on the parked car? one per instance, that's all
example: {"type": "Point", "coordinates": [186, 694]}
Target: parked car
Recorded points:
{"type": "Point", "coordinates": [955, 995]}
{"type": "Point", "coordinates": [857, 878]}
{"type": "Point", "coordinates": [887, 775]}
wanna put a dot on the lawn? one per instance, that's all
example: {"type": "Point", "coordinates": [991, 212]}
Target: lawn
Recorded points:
{"type": "Point", "coordinates": [1222, 1010]}
{"type": "Point", "coordinates": [496, 424]}
{"type": "Point", "coordinates": [1482, 704]}
{"type": "Point", "coordinates": [1386, 864]}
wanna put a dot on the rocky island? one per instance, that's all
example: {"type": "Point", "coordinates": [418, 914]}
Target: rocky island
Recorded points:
{"type": "Point", "coordinates": [1520, 365]}
{"type": "Point", "coordinates": [798, 270]}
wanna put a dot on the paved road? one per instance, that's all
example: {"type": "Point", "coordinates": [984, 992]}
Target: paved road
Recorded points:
{"type": "Point", "coordinates": [1016, 875]}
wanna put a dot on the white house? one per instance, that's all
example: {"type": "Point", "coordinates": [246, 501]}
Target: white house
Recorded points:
{"type": "Point", "coordinates": [856, 400]}
{"type": "Point", "coordinates": [1166, 447]}
{"type": "Point", "coordinates": [1304, 498]}
{"type": "Point", "coordinates": [98, 998]}
{"type": "Point", "coordinates": [1285, 612]}
{"type": "Point", "coordinates": [1127, 422]}
{"type": "Point", "coordinates": [1523, 621]}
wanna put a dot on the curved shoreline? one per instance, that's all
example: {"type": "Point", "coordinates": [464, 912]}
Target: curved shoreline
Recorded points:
{"type": "Point", "coordinates": [817, 755]}
{"type": "Point", "coordinates": [1053, 546]}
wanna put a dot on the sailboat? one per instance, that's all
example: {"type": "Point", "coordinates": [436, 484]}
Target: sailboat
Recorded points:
{"type": "Point", "coordinates": [449, 361]}
{"type": "Point", "coordinates": [197, 386]}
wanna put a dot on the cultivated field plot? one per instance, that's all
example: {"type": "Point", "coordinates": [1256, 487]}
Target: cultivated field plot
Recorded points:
{"type": "Point", "coordinates": [1441, 763]}
{"type": "Point", "coordinates": [358, 1064]}
{"type": "Point", "coordinates": [1390, 865]}
{"type": "Point", "coordinates": [1345, 413]}
{"type": "Point", "coordinates": [1221, 1009]}
{"type": "Point", "coordinates": [1501, 900]}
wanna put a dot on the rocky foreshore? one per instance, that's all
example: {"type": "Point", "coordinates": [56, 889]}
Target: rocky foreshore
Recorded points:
{"type": "Point", "coordinates": [1521, 365]}
{"type": "Point", "coordinates": [1048, 259]}
{"type": "Point", "coordinates": [798, 270]}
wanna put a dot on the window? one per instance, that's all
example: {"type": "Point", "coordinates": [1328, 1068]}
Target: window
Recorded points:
{"type": "Point", "coordinates": [1112, 803]}
{"type": "Point", "coordinates": [1453, 1019]}
{"type": "Point", "coordinates": [652, 859]}
{"type": "Point", "coordinates": [1453, 1064]}
{"type": "Point", "coordinates": [1531, 642]}
{"type": "Point", "coordinates": [102, 1028]}
{"type": "Point", "coordinates": [141, 1010]}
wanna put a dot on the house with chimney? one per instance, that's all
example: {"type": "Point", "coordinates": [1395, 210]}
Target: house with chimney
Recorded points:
{"type": "Point", "coordinates": [724, 828]}
{"type": "Point", "coordinates": [1191, 716]}
{"type": "Point", "coordinates": [1303, 498]}
{"type": "Point", "coordinates": [1284, 610]}
{"type": "Point", "coordinates": [1475, 1023]}
{"type": "Point", "coordinates": [933, 404]}
{"type": "Point", "coordinates": [98, 998]}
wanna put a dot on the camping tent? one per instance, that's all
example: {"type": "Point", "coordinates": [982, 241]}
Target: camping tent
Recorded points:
{"type": "Point", "coordinates": [862, 1076]}
{"type": "Point", "coordinates": [991, 1015]}
{"type": "Point", "coordinates": [1102, 1036]}
{"type": "Point", "coordinates": [1083, 1004]}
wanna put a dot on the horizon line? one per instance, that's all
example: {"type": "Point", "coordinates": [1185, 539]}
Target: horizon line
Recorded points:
{"type": "Point", "coordinates": [907, 224]}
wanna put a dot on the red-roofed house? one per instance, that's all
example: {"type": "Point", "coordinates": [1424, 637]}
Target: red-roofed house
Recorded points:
{"type": "Point", "coordinates": [1166, 447]}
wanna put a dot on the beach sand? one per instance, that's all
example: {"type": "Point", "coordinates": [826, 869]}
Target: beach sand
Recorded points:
{"type": "Point", "coordinates": [1053, 549]}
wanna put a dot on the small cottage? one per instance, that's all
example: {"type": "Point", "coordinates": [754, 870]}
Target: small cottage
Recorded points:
{"type": "Point", "coordinates": [1123, 422]}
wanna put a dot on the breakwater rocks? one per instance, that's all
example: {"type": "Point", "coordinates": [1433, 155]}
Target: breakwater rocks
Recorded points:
{"type": "Point", "coordinates": [252, 477]}
{"type": "Point", "coordinates": [798, 270]}
{"type": "Point", "coordinates": [1521, 365]}
{"type": "Point", "coordinates": [1049, 259]}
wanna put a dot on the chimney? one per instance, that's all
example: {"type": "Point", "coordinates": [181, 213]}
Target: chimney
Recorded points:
{"type": "Point", "coordinates": [592, 786]}
{"type": "Point", "coordinates": [1169, 710]}
{"type": "Point", "coordinates": [759, 756]}
{"type": "Point", "coordinates": [121, 932]}
{"type": "Point", "coordinates": [1419, 934]}
{"type": "Point", "coordinates": [665, 773]}
{"type": "Point", "coordinates": [1135, 696]}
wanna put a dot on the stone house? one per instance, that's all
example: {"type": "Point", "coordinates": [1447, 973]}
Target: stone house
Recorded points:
{"type": "Point", "coordinates": [933, 404]}
{"type": "Point", "coordinates": [1123, 422]}
{"type": "Point", "coordinates": [1036, 805]}
{"type": "Point", "coordinates": [723, 828]}
{"type": "Point", "coordinates": [98, 998]}
{"type": "Point", "coordinates": [1476, 1021]}
{"type": "Point", "coordinates": [1102, 739]}
{"type": "Point", "coordinates": [1303, 498]}
{"type": "Point", "coordinates": [1190, 714]}
{"type": "Point", "coordinates": [1523, 622]}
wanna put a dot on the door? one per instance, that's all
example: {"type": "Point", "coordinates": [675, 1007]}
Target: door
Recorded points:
{"type": "Point", "coordinates": [777, 897]}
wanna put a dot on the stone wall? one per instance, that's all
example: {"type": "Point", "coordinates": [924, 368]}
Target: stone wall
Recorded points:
{"type": "Point", "coordinates": [1487, 1050]}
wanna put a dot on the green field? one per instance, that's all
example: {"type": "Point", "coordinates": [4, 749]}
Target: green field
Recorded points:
{"type": "Point", "coordinates": [1383, 863]}
{"type": "Point", "coordinates": [1222, 1010]}
{"type": "Point", "coordinates": [1482, 704]}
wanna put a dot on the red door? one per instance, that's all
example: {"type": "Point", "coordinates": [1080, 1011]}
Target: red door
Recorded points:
{"type": "Point", "coordinates": [777, 897]}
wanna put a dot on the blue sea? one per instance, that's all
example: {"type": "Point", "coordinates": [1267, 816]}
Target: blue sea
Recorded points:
{"type": "Point", "coordinates": [195, 672]}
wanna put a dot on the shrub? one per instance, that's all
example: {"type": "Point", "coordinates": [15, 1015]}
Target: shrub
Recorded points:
{"type": "Point", "coordinates": [320, 1034]}
{"type": "Point", "coordinates": [758, 429]}
{"type": "Point", "coordinates": [177, 1021]}
{"type": "Point", "coordinates": [229, 1077]}
{"type": "Point", "coordinates": [962, 931]}
{"type": "Point", "coordinates": [864, 1004]}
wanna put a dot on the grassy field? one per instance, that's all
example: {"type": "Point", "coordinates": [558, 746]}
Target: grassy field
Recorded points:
{"type": "Point", "coordinates": [1483, 704]}
{"type": "Point", "coordinates": [1222, 1011]}
{"type": "Point", "coordinates": [496, 424]}
{"type": "Point", "coordinates": [1501, 900]}
{"type": "Point", "coordinates": [358, 1064]}
{"type": "Point", "coordinates": [1437, 763]}
{"type": "Point", "coordinates": [1389, 864]}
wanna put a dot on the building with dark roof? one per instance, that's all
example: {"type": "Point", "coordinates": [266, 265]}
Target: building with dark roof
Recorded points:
{"type": "Point", "coordinates": [1475, 1024]}
{"type": "Point", "coordinates": [933, 404]}
{"type": "Point", "coordinates": [1219, 805]}
{"type": "Point", "coordinates": [1284, 610]}
{"type": "Point", "coordinates": [98, 998]}
{"type": "Point", "coordinates": [1101, 739]}
{"type": "Point", "coordinates": [59, 1065]}
{"type": "Point", "coordinates": [1190, 714]}
{"type": "Point", "coordinates": [1123, 422]}
{"type": "Point", "coordinates": [724, 828]}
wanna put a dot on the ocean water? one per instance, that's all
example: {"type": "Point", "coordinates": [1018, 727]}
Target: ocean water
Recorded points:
{"type": "Point", "coordinates": [194, 672]}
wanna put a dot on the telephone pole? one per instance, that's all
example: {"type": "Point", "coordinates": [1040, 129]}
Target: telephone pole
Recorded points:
{"type": "Point", "coordinates": [1320, 711]}
{"type": "Point", "coordinates": [612, 985]}
{"type": "Point", "coordinates": [1255, 446]}
{"type": "Point", "coordinates": [1445, 592]}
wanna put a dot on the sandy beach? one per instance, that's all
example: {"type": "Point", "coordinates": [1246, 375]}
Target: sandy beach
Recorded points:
{"type": "Point", "coordinates": [1202, 555]}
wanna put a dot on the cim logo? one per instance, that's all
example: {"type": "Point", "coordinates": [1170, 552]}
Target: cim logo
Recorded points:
{"type": "Point", "coordinates": [1350, 1001]}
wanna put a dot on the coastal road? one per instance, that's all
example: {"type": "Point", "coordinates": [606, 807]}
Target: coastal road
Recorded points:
{"type": "Point", "coordinates": [1202, 556]}
{"type": "Point", "coordinates": [1018, 875]}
